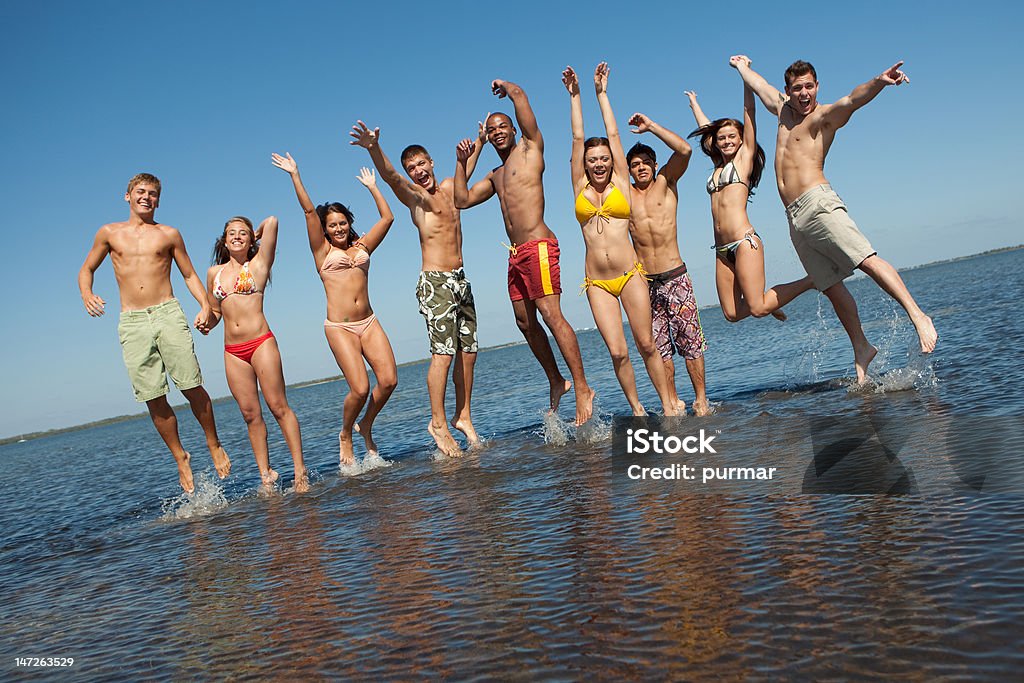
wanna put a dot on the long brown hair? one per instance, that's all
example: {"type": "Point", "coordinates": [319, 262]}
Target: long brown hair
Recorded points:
{"type": "Point", "coordinates": [220, 249]}
{"type": "Point", "coordinates": [707, 134]}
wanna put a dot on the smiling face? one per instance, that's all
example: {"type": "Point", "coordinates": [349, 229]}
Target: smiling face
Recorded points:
{"type": "Point", "coordinates": [337, 227]}
{"type": "Point", "coordinates": [597, 161]}
{"type": "Point", "coordinates": [803, 93]}
{"type": "Point", "coordinates": [728, 140]}
{"type": "Point", "coordinates": [143, 198]}
{"type": "Point", "coordinates": [238, 237]}
{"type": "Point", "coordinates": [420, 169]}
{"type": "Point", "coordinates": [642, 169]}
{"type": "Point", "coordinates": [500, 132]}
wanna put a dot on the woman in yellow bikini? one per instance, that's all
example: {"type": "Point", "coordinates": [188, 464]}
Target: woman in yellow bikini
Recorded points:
{"type": "Point", "coordinates": [739, 268]}
{"type": "Point", "coordinates": [342, 259]}
{"type": "Point", "coordinates": [614, 275]}
{"type": "Point", "coordinates": [252, 360]}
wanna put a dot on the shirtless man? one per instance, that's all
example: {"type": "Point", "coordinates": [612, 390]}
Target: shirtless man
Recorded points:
{"type": "Point", "coordinates": [155, 338]}
{"type": "Point", "coordinates": [533, 273]}
{"type": "Point", "coordinates": [655, 199]}
{"type": "Point", "coordinates": [443, 292]}
{"type": "Point", "coordinates": [827, 241]}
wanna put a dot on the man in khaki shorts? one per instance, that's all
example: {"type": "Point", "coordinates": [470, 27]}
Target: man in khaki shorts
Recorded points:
{"type": "Point", "coordinates": [826, 239]}
{"type": "Point", "coordinates": [155, 336]}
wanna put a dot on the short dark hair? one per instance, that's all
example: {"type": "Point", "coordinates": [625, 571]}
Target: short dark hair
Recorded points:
{"type": "Point", "coordinates": [800, 68]}
{"type": "Point", "coordinates": [640, 149]}
{"type": "Point", "coordinates": [411, 151]}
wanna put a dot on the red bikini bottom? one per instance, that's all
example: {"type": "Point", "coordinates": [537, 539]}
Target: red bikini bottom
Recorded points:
{"type": "Point", "coordinates": [245, 350]}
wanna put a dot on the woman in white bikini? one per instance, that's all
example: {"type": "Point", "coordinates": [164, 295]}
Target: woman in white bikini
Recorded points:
{"type": "Point", "coordinates": [739, 268]}
{"type": "Point", "coordinates": [342, 259]}
{"type": "Point", "coordinates": [252, 361]}
{"type": "Point", "coordinates": [614, 275]}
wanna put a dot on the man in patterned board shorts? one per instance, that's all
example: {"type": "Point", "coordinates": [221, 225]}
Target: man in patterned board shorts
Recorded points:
{"type": "Point", "coordinates": [155, 336]}
{"type": "Point", "coordinates": [653, 227]}
{"type": "Point", "coordinates": [442, 290]}
{"type": "Point", "coordinates": [826, 239]}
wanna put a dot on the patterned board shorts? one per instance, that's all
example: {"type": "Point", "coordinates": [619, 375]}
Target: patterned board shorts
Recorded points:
{"type": "Point", "coordinates": [446, 304]}
{"type": "Point", "coordinates": [674, 315]}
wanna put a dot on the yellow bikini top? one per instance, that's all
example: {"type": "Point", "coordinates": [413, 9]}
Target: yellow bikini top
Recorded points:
{"type": "Point", "coordinates": [615, 206]}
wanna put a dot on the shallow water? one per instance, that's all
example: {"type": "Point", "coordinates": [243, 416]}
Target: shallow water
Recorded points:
{"type": "Point", "coordinates": [533, 557]}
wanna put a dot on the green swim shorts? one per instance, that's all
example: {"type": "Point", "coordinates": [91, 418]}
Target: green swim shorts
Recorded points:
{"type": "Point", "coordinates": [446, 303]}
{"type": "Point", "coordinates": [156, 341]}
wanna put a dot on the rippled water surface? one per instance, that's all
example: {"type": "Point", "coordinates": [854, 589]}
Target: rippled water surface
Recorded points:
{"type": "Point", "coordinates": [528, 559]}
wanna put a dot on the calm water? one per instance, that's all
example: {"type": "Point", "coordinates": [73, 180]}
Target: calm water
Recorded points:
{"type": "Point", "coordinates": [529, 559]}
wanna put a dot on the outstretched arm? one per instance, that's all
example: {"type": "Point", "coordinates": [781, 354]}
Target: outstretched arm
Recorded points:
{"type": "Point", "coordinates": [681, 151]}
{"type": "Point", "coordinates": [370, 141]}
{"type": "Point", "coordinates": [524, 112]}
{"type": "Point", "coordinates": [572, 84]}
{"type": "Point", "coordinates": [841, 111]}
{"type": "Point", "coordinates": [467, 197]}
{"type": "Point", "coordinates": [375, 235]}
{"type": "Point", "coordinates": [94, 305]}
{"type": "Point", "coordinates": [317, 242]}
{"type": "Point", "coordinates": [610, 126]}
{"type": "Point", "coordinates": [204, 319]}
{"type": "Point", "coordinates": [698, 114]}
{"type": "Point", "coordinates": [773, 99]}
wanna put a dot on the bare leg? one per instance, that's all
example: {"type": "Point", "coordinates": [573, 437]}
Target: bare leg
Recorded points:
{"type": "Point", "coordinates": [888, 278]}
{"type": "Point", "coordinates": [378, 352]}
{"type": "Point", "coordinates": [166, 424]}
{"type": "Point", "coordinates": [749, 270]}
{"type": "Point", "coordinates": [537, 339]}
{"type": "Point", "coordinates": [462, 376]}
{"type": "Point", "coordinates": [636, 301]}
{"type": "Point", "coordinates": [347, 350]}
{"type": "Point", "coordinates": [437, 381]}
{"type": "Point", "coordinates": [202, 408]}
{"type": "Point", "coordinates": [608, 317]}
{"type": "Point", "coordinates": [551, 311]}
{"type": "Point", "coordinates": [670, 376]}
{"type": "Point", "coordinates": [846, 311]}
{"type": "Point", "coordinates": [695, 369]}
{"type": "Point", "coordinates": [267, 364]}
{"type": "Point", "coordinates": [242, 382]}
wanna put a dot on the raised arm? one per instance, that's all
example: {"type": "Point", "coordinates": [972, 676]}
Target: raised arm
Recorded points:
{"type": "Point", "coordinates": [467, 197]}
{"type": "Point", "coordinates": [681, 151]}
{"type": "Point", "coordinates": [524, 112]}
{"type": "Point", "coordinates": [204, 319]}
{"type": "Point", "coordinates": [773, 99]}
{"type": "Point", "coordinates": [610, 126]}
{"type": "Point", "coordinates": [369, 140]}
{"type": "Point", "coordinates": [314, 228]}
{"type": "Point", "coordinates": [266, 233]}
{"type": "Point", "coordinates": [375, 235]}
{"type": "Point", "coordinates": [572, 84]}
{"type": "Point", "coordinates": [94, 305]}
{"type": "Point", "coordinates": [477, 150]}
{"type": "Point", "coordinates": [698, 114]}
{"type": "Point", "coordinates": [841, 111]}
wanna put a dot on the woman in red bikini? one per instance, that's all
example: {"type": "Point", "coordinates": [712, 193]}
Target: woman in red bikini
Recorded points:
{"type": "Point", "coordinates": [614, 274]}
{"type": "Point", "coordinates": [252, 361]}
{"type": "Point", "coordinates": [342, 259]}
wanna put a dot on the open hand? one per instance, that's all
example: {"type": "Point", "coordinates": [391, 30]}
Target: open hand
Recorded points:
{"type": "Point", "coordinates": [364, 137]}
{"type": "Point", "coordinates": [571, 82]}
{"type": "Point", "coordinates": [601, 77]}
{"type": "Point", "coordinates": [285, 163]}
{"type": "Point", "coordinates": [94, 305]}
{"type": "Point", "coordinates": [367, 177]}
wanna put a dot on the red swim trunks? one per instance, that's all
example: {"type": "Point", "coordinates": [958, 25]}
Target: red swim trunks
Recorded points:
{"type": "Point", "coordinates": [533, 270]}
{"type": "Point", "coordinates": [245, 350]}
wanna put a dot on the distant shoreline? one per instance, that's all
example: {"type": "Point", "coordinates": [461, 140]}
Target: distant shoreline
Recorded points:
{"type": "Point", "coordinates": [299, 385]}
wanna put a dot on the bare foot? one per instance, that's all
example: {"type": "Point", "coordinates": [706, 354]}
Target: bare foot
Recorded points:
{"type": "Point", "coordinates": [465, 425]}
{"type": "Point", "coordinates": [185, 474]}
{"type": "Point", "coordinates": [926, 333]}
{"type": "Point", "coordinates": [221, 461]}
{"type": "Point", "coordinates": [366, 431]}
{"type": "Point", "coordinates": [701, 407]}
{"type": "Point", "coordinates": [443, 438]}
{"type": "Point", "coordinates": [558, 390]}
{"type": "Point", "coordinates": [584, 405]}
{"type": "Point", "coordinates": [639, 411]}
{"type": "Point", "coordinates": [301, 482]}
{"type": "Point", "coordinates": [861, 359]}
{"type": "Point", "coordinates": [779, 314]}
{"type": "Point", "coordinates": [270, 478]}
{"type": "Point", "coordinates": [681, 407]}
{"type": "Point", "coordinates": [346, 455]}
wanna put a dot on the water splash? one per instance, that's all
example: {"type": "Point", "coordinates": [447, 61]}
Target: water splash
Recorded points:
{"type": "Point", "coordinates": [207, 498]}
{"type": "Point", "coordinates": [594, 430]}
{"type": "Point", "coordinates": [554, 430]}
{"type": "Point", "coordinates": [371, 461]}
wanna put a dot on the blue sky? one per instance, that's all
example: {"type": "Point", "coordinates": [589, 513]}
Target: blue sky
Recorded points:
{"type": "Point", "coordinates": [201, 93]}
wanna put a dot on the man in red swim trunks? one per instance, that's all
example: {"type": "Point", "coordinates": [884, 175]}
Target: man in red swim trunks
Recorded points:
{"type": "Point", "coordinates": [533, 274]}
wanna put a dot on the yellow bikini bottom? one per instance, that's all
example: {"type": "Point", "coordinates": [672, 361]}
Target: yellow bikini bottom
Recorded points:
{"type": "Point", "coordinates": [616, 285]}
